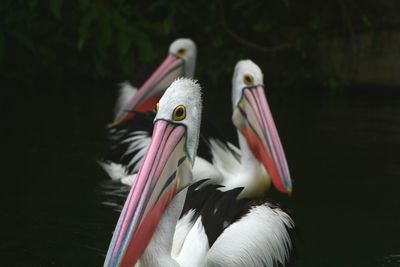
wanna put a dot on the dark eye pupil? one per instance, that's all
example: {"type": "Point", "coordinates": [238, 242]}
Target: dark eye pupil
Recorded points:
{"type": "Point", "coordinates": [179, 112]}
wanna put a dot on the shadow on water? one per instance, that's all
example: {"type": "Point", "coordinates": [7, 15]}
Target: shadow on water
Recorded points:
{"type": "Point", "coordinates": [60, 209]}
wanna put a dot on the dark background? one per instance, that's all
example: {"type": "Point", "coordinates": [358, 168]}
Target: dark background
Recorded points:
{"type": "Point", "coordinates": [331, 73]}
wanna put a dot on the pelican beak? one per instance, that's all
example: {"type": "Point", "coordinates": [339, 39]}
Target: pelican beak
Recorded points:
{"type": "Point", "coordinates": [165, 171]}
{"type": "Point", "coordinates": [151, 91]}
{"type": "Point", "coordinates": [253, 118]}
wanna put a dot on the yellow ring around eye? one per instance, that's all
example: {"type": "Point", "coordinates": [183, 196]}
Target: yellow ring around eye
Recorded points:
{"type": "Point", "coordinates": [179, 113]}
{"type": "Point", "coordinates": [181, 52]}
{"type": "Point", "coordinates": [248, 79]}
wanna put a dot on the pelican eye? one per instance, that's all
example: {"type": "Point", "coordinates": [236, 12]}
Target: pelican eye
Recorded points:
{"type": "Point", "coordinates": [248, 79]}
{"type": "Point", "coordinates": [179, 113]}
{"type": "Point", "coordinates": [181, 52]}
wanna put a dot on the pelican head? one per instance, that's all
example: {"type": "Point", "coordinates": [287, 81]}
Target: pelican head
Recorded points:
{"type": "Point", "coordinates": [180, 62]}
{"type": "Point", "coordinates": [253, 118]}
{"type": "Point", "coordinates": [166, 170]}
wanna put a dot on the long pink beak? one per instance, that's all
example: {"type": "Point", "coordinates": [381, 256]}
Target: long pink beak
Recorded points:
{"type": "Point", "coordinates": [151, 91]}
{"type": "Point", "coordinates": [157, 183]}
{"type": "Point", "coordinates": [254, 120]}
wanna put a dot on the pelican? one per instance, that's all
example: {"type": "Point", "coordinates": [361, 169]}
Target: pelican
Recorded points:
{"type": "Point", "coordinates": [261, 156]}
{"type": "Point", "coordinates": [259, 159]}
{"type": "Point", "coordinates": [138, 104]}
{"type": "Point", "coordinates": [145, 233]}
{"type": "Point", "coordinates": [180, 62]}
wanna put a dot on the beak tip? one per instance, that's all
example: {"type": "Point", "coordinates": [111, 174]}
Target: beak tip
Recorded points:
{"type": "Point", "coordinates": [290, 193]}
{"type": "Point", "coordinates": [114, 123]}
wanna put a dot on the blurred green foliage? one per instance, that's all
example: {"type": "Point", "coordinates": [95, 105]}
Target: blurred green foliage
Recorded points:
{"type": "Point", "coordinates": [115, 38]}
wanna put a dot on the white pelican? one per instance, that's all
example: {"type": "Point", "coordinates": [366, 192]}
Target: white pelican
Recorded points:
{"type": "Point", "coordinates": [146, 228]}
{"type": "Point", "coordinates": [180, 62]}
{"type": "Point", "coordinates": [261, 156]}
{"type": "Point", "coordinates": [260, 146]}
{"type": "Point", "coordinates": [138, 104]}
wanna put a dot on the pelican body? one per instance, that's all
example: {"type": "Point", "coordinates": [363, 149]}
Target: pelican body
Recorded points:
{"type": "Point", "coordinates": [145, 234]}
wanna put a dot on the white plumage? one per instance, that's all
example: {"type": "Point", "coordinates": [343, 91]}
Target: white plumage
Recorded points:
{"type": "Point", "coordinates": [260, 238]}
{"type": "Point", "coordinates": [126, 92]}
{"type": "Point", "coordinates": [195, 246]}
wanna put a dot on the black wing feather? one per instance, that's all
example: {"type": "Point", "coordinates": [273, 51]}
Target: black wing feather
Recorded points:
{"type": "Point", "coordinates": [218, 210]}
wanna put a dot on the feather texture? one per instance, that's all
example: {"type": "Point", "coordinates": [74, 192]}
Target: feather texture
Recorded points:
{"type": "Point", "coordinates": [240, 232]}
{"type": "Point", "coordinates": [125, 93]}
{"type": "Point", "coordinates": [128, 144]}
{"type": "Point", "coordinates": [226, 158]}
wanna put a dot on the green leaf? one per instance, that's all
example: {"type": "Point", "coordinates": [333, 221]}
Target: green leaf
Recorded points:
{"type": "Point", "coordinates": [33, 4]}
{"type": "Point", "coordinates": [84, 4]}
{"type": "Point", "coordinates": [105, 34]}
{"type": "Point", "coordinates": [81, 42]}
{"type": "Point", "coordinates": [262, 26]}
{"type": "Point", "coordinates": [286, 3]}
{"type": "Point", "coordinates": [217, 41]}
{"type": "Point", "coordinates": [366, 20]}
{"type": "Point", "coordinates": [99, 66]}
{"type": "Point", "coordinates": [127, 64]}
{"type": "Point", "coordinates": [239, 4]}
{"type": "Point", "coordinates": [146, 52]}
{"type": "Point", "coordinates": [124, 43]}
{"type": "Point", "coordinates": [159, 4]}
{"type": "Point", "coordinates": [25, 40]}
{"type": "Point", "coordinates": [55, 7]}
{"type": "Point", "coordinates": [333, 83]}
{"type": "Point", "coordinates": [315, 23]}
{"type": "Point", "coordinates": [167, 25]}
{"type": "Point", "coordinates": [84, 28]}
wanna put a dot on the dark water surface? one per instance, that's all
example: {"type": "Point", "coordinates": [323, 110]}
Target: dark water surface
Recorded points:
{"type": "Point", "coordinates": [59, 209]}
